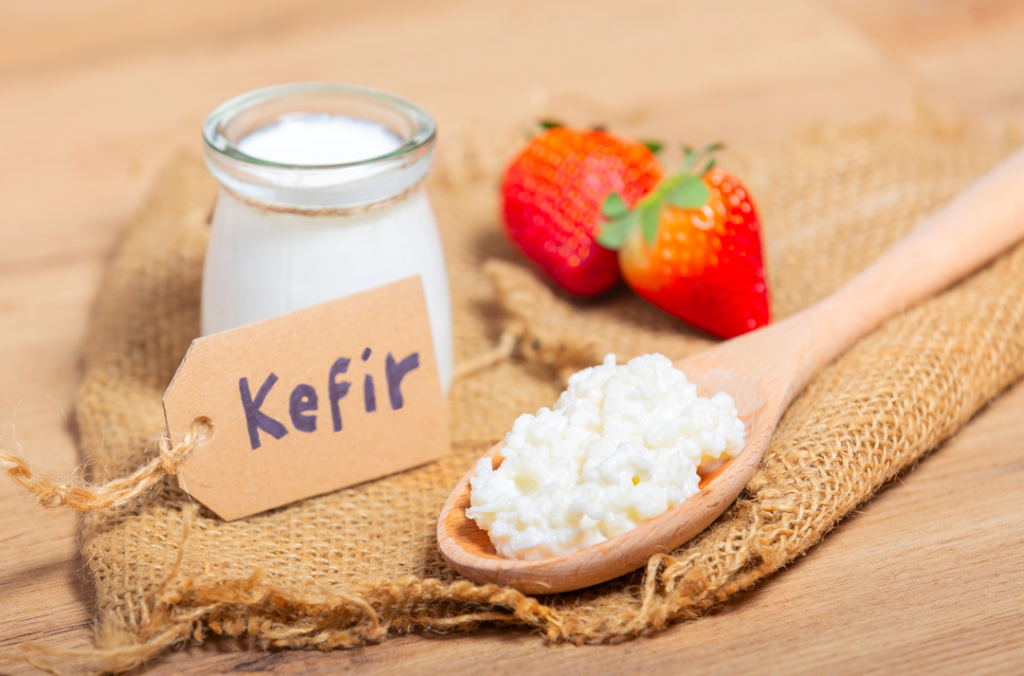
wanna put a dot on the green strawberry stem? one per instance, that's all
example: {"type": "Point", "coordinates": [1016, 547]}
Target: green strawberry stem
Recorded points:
{"type": "Point", "coordinates": [654, 146]}
{"type": "Point", "coordinates": [685, 190]}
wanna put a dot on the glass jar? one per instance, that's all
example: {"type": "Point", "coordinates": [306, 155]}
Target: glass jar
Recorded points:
{"type": "Point", "coordinates": [288, 236]}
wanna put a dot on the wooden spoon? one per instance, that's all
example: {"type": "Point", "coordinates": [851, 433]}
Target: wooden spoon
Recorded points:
{"type": "Point", "coordinates": [764, 371]}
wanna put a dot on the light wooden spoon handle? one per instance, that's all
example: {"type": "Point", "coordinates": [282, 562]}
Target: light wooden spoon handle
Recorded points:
{"type": "Point", "coordinates": [979, 224]}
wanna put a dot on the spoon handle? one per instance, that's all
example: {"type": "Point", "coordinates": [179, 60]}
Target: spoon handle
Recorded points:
{"type": "Point", "coordinates": [979, 224]}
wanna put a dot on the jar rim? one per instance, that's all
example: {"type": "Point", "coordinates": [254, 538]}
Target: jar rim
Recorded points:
{"type": "Point", "coordinates": [216, 140]}
{"type": "Point", "coordinates": [318, 187]}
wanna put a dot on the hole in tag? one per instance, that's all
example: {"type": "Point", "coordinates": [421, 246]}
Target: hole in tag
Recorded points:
{"type": "Point", "coordinates": [204, 429]}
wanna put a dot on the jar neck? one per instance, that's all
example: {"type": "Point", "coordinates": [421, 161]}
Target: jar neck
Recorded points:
{"type": "Point", "coordinates": [330, 211]}
{"type": "Point", "coordinates": [335, 190]}
{"type": "Point", "coordinates": [339, 187]}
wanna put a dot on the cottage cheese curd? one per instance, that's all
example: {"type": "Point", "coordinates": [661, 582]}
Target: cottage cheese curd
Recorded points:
{"type": "Point", "coordinates": [621, 446]}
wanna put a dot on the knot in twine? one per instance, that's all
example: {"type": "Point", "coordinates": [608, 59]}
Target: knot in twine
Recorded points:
{"type": "Point", "coordinates": [82, 496]}
{"type": "Point", "coordinates": [503, 350]}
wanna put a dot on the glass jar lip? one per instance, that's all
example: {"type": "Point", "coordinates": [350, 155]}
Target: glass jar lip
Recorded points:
{"type": "Point", "coordinates": [423, 135]}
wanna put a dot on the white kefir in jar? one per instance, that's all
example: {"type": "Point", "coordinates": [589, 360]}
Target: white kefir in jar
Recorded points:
{"type": "Point", "coordinates": [321, 197]}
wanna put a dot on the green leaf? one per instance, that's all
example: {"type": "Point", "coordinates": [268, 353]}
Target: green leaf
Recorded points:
{"type": "Point", "coordinates": [614, 206]}
{"type": "Point", "coordinates": [614, 232]}
{"type": "Point", "coordinates": [689, 193]}
{"type": "Point", "coordinates": [653, 146]}
{"type": "Point", "coordinates": [550, 124]}
{"type": "Point", "coordinates": [649, 216]}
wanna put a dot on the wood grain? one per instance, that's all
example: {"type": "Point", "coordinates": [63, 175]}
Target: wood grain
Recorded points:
{"type": "Point", "coordinates": [97, 94]}
{"type": "Point", "coordinates": [965, 52]}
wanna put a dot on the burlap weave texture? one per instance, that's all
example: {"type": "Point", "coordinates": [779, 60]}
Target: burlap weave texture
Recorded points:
{"type": "Point", "coordinates": [346, 568]}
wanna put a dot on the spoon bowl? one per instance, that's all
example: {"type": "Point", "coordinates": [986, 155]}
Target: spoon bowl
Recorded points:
{"type": "Point", "coordinates": [469, 550]}
{"type": "Point", "coordinates": [764, 371]}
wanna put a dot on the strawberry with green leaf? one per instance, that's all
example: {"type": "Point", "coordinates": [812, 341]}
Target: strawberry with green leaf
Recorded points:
{"type": "Point", "coordinates": [692, 246]}
{"type": "Point", "coordinates": [552, 194]}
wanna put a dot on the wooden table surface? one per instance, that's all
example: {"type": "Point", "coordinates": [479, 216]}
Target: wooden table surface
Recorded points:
{"type": "Point", "coordinates": [96, 94]}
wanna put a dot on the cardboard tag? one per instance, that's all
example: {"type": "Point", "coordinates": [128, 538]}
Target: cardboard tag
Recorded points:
{"type": "Point", "coordinates": [310, 402]}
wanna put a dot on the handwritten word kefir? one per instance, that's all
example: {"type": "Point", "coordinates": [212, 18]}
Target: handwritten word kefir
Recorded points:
{"type": "Point", "coordinates": [620, 447]}
{"type": "Point", "coordinates": [318, 205]}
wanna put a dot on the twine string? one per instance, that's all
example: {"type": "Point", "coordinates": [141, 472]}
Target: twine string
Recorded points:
{"type": "Point", "coordinates": [503, 350]}
{"type": "Point", "coordinates": [326, 211]}
{"type": "Point", "coordinates": [79, 495]}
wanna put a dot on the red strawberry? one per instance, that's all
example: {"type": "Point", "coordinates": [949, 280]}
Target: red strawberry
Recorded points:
{"type": "Point", "coordinates": [553, 191]}
{"type": "Point", "coordinates": [697, 250]}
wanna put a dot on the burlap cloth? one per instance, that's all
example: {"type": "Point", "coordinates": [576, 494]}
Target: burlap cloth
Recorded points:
{"type": "Point", "coordinates": [346, 568]}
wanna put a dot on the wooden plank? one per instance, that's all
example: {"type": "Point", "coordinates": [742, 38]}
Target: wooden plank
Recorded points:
{"type": "Point", "coordinates": [96, 95]}
{"type": "Point", "coordinates": [41, 36]}
{"type": "Point", "coordinates": [967, 51]}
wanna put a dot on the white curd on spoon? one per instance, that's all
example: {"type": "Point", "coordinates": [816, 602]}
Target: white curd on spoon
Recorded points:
{"type": "Point", "coordinates": [620, 447]}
